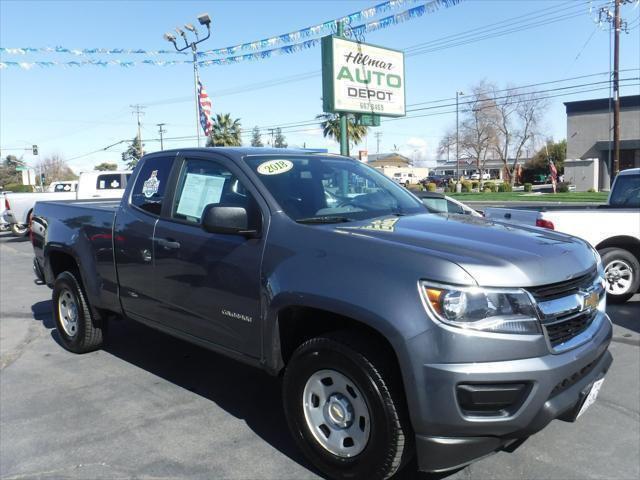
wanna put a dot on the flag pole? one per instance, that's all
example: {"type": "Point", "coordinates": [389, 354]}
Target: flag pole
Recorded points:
{"type": "Point", "coordinates": [195, 83]}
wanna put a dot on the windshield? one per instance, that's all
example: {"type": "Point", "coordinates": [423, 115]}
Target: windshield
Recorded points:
{"type": "Point", "coordinates": [318, 189]}
{"type": "Point", "coordinates": [626, 192]}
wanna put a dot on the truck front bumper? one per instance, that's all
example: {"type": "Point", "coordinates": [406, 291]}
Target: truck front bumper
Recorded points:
{"type": "Point", "coordinates": [527, 394]}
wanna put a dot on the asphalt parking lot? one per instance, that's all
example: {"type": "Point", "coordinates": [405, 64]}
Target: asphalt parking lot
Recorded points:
{"type": "Point", "coordinates": [150, 406]}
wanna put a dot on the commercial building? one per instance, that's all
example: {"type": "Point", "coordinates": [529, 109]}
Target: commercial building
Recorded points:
{"type": "Point", "coordinates": [590, 140]}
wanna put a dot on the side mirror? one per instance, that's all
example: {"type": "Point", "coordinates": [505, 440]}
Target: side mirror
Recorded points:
{"type": "Point", "coordinates": [227, 219]}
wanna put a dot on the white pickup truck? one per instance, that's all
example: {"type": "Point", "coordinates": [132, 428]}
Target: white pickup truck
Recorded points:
{"type": "Point", "coordinates": [612, 229]}
{"type": "Point", "coordinates": [99, 184]}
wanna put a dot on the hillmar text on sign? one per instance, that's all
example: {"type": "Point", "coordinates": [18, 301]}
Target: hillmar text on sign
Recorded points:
{"type": "Point", "coordinates": [362, 78]}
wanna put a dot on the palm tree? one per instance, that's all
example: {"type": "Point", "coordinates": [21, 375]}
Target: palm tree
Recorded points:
{"type": "Point", "coordinates": [330, 124]}
{"type": "Point", "coordinates": [225, 132]}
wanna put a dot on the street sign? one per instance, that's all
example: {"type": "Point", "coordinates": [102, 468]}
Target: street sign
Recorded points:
{"type": "Point", "coordinates": [362, 78]}
{"type": "Point", "coordinates": [20, 169]}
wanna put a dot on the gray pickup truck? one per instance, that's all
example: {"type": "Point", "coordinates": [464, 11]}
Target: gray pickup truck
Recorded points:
{"type": "Point", "coordinates": [397, 332]}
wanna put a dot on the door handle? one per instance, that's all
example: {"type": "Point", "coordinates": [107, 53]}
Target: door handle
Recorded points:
{"type": "Point", "coordinates": [168, 244]}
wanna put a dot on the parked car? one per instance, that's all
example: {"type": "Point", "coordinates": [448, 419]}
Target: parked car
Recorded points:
{"type": "Point", "coordinates": [439, 203]}
{"type": "Point", "coordinates": [19, 206]}
{"type": "Point", "coordinates": [476, 176]}
{"type": "Point", "coordinates": [494, 332]}
{"type": "Point", "coordinates": [439, 180]}
{"type": "Point", "coordinates": [613, 229]}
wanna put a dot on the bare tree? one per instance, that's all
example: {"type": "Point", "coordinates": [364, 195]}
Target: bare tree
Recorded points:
{"type": "Point", "coordinates": [517, 119]}
{"type": "Point", "coordinates": [478, 131]}
{"type": "Point", "coordinates": [447, 144]}
{"type": "Point", "coordinates": [55, 168]}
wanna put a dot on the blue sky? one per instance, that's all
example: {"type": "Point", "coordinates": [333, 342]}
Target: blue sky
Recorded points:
{"type": "Point", "coordinates": [76, 111]}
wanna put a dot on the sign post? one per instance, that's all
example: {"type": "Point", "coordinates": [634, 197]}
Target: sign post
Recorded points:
{"type": "Point", "coordinates": [361, 79]}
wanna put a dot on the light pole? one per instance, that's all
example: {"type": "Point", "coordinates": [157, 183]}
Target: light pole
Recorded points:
{"type": "Point", "coordinates": [204, 19]}
{"type": "Point", "coordinates": [457, 141]}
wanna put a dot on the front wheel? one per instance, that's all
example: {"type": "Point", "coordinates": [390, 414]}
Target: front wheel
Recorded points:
{"type": "Point", "coordinates": [346, 409]}
{"type": "Point", "coordinates": [622, 274]}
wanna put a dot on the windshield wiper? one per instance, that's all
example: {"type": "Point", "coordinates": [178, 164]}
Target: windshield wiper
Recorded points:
{"type": "Point", "coordinates": [323, 219]}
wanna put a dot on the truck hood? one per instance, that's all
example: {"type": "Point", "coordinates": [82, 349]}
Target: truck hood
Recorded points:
{"type": "Point", "coordinates": [493, 253]}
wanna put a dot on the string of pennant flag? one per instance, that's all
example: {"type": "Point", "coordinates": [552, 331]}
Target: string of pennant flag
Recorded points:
{"type": "Point", "coordinates": [296, 44]}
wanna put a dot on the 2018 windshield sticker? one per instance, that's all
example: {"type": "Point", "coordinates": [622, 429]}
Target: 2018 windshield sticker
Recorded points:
{"type": "Point", "coordinates": [274, 167]}
{"type": "Point", "coordinates": [151, 185]}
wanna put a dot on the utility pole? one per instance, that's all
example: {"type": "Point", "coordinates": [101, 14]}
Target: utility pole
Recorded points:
{"type": "Point", "coordinates": [272, 132]}
{"type": "Point", "coordinates": [616, 92]}
{"type": "Point", "coordinates": [457, 140]}
{"type": "Point", "coordinates": [137, 110]}
{"type": "Point", "coordinates": [161, 131]}
{"type": "Point", "coordinates": [618, 25]}
{"type": "Point", "coordinates": [378, 137]}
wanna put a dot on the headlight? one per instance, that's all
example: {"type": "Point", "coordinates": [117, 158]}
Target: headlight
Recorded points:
{"type": "Point", "coordinates": [484, 309]}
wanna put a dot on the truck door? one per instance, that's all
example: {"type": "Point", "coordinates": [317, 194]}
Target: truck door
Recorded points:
{"type": "Point", "coordinates": [209, 284]}
{"type": "Point", "coordinates": [133, 236]}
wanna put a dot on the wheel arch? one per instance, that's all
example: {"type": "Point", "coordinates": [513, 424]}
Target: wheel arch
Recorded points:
{"type": "Point", "coordinates": [625, 242]}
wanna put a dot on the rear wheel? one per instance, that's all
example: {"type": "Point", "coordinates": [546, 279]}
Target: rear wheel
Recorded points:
{"type": "Point", "coordinates": [78, 329]}
{"type": "Point", "coordinates": [345, 407]}
{"type": "Point", "coordinates": [622, 274]}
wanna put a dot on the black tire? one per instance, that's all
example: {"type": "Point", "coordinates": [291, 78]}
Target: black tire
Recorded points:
{"type": "Point", "coordinates": [609, 257]}
{"type": "Point", "coordinates": [89, 330]}
{"type": "Point", "coordinates": [372, 370]}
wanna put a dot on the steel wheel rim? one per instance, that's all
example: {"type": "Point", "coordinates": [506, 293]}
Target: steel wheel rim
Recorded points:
{"type": "Point", "coordinates": [619, 276]}
{"type": "Point", "coordinates": [336, 413]}
{"type": "Point", "coordinates": [68, 312]}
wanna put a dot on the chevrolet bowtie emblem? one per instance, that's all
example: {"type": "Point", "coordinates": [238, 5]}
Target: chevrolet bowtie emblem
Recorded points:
{"type": "Point", "coordinates": [590, 301]}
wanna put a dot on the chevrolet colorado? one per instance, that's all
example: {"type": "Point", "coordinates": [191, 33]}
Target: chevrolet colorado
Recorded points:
{"type": "Point", "coordinates": [397, 332]}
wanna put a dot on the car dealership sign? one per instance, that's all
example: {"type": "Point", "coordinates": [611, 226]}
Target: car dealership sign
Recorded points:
{"type": "Point", "coordinates": [362, 78]}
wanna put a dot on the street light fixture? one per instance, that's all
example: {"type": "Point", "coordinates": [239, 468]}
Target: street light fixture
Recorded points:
{"type": "Point", "coordinates": [204, 19]}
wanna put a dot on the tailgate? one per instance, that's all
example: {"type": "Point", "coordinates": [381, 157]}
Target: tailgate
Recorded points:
{"type": "Point", "coordinates": [512, 215]}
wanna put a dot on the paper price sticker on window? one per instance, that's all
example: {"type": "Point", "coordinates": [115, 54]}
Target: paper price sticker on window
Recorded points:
{"type": "Point", "coordinates": [274, 167]}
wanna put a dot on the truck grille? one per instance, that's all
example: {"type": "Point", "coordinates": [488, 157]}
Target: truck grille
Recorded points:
{"type": "Point", "coordinates": [561, 289]}
{"type": "Point", "coordinates": [565, 329]}
{"type": "Point", "coordinates": [565, 323]}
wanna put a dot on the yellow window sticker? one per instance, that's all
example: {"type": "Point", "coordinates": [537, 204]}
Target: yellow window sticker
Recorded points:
{"type": "Point", "coordinates": [274, 167]}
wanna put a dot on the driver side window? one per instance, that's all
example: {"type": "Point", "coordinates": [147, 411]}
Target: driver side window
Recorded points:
{"type": "Point", "coordinates": [203, 183]}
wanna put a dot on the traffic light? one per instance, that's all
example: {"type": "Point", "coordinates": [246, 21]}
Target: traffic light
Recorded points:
{"type": "Point", "coordinates": [34, 149]}
{"type": "Point", "coordinates": [124, 157]}
{"type": "Point", "coordinates": [42, 179]}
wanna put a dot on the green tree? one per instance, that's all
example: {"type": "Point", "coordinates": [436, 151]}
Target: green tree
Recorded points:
{"type": "Point", "coordinates": [256, 138]}
{"type": "Point", "coordinates": [330, 124]}
{"type": "Point", "coordinates": [225, 132]}
{"type": "Point", "coordinates": [105, 166]}
{"type": "Point", "coordinates": [8, 172]}
{"type": "Point", "coordinates": [556, 151]}
{"type": "Point", "coordinates": [279, 140]}
{"type": "Point", "coordinates": [134, 153]}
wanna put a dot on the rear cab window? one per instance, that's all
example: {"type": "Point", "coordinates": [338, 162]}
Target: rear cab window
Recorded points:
{"type": "Point", "coordinates": [148, 193]}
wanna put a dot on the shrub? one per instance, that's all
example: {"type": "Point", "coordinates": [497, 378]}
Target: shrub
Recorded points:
{"type": "Point", "coordinates": [487, 190]}
{"type": "Point", "coordinates": [592, 190]}
{"type": "Point", "coordinates": [505, 187]}
{"type": "Point", "coordinates": [474, 184]}
{"type": "Point", "coordinates": [491, 186]}
{"type": "Point", "coordinates": [431, 187]}
{"type": "Point", "coordinates": [563, 187]}
{"type": "Point", "coordinates": [528, 187]}
{"type": "Point", "coordinates": [466, 186]}
{"type": "Point", "coordinates": [17, 187]}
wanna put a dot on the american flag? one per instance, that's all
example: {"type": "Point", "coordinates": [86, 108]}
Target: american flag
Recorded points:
{"type": "Point", "coordinates": [204, 107]}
